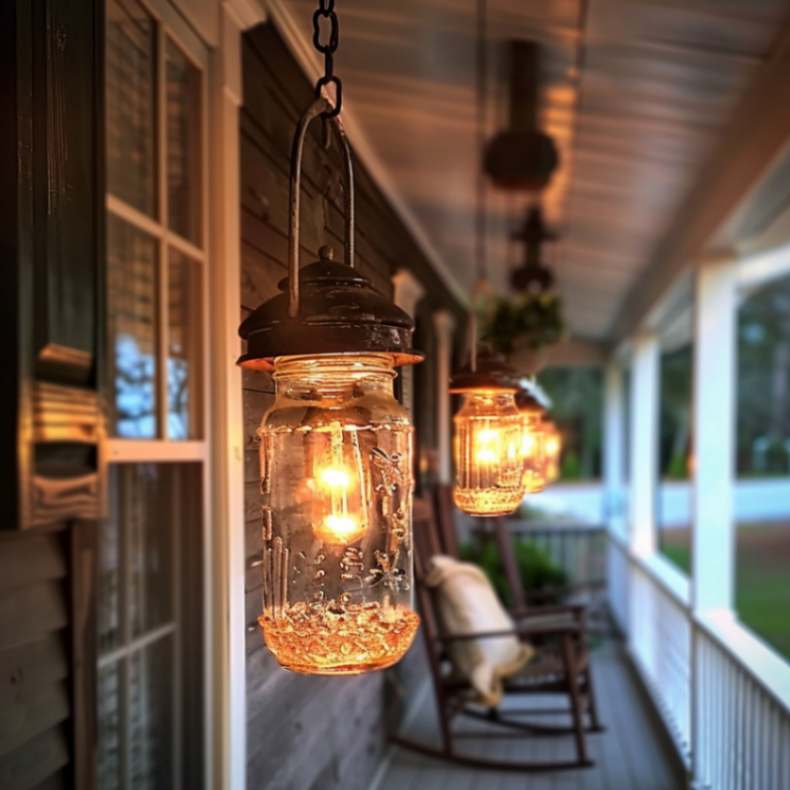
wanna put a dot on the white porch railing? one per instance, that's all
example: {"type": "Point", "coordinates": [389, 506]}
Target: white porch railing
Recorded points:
{"type": "Point", "coordinates": [724, 695]}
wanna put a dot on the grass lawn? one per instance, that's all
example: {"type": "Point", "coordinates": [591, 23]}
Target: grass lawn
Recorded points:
{"type": "Point", "coordinates": [762, 592]}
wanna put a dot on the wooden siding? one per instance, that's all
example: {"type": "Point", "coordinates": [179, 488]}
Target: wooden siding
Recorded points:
{"type": "Point", "coordinates": [289, 715]}
{"type": "Point", "coordinates": [35, 674]}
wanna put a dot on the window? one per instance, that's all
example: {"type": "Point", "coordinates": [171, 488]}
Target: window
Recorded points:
{"type": "Point", "coordinates": [156, 238]}
{"type": "Point", "coordinates": [762, 490]}
{"type": "Point", "coordinates": [150, 619]}
{"type": "Point", "coordinates": [673, 507]}
{"type": "Point", "coordinates": [146, 615]}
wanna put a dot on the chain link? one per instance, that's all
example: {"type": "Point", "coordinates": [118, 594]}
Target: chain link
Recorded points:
{"type": "Point", "coordinates": [326, 10]}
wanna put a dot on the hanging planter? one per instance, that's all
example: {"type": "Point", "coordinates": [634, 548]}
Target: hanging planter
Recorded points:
{"type": "Point", "coordinates": [336, 453]}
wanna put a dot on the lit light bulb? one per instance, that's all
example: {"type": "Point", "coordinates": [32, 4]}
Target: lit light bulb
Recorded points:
{"type": "Point", "coordinates": [340, 526]}
{"type": "Point", "coordinates": [487, 446]}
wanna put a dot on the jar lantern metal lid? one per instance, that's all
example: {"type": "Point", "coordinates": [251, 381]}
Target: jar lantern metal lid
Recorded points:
{"type": "Point", "coordinates": [327, 307]}
{"type": "Point", "coordinates": [490, 372]}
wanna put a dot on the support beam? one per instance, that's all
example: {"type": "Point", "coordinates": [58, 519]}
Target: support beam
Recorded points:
{"type": "Point", "coordinates": [713, 415]}
{"type": "Point", "coordinates": [614, 446]}
{"type": "Point", "coordinates": [444, 326]}
{"type": "Point", "coordinates": [407, 292]}
{"type": "Point", "coordinates": [644, 445]}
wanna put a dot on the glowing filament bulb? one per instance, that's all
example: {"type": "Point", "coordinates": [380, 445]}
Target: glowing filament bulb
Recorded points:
{"type": "Point", "coordinates": [487, 446]}
{"type": "Point", "coordinates": [336, 481]}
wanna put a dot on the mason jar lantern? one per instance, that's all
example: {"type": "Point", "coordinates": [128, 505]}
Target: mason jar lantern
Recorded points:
{"type": "Point", "coordinates": [336, 459]}
{"type": "Point", "coordinates": [533, 441]}
{"type": "Point", "coordinates": [489, 477]}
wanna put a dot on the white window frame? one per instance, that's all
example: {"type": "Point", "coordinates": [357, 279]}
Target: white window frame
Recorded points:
{"type": "Point", "coordinates": [171, 24]}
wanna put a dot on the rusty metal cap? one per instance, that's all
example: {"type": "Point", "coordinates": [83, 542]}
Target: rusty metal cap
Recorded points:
{"type": "Point", "coordinates": [491, 373]}
{"type": "Point", "coordinates": [340, 313]}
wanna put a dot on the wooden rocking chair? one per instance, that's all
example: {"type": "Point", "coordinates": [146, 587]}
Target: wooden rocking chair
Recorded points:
{"type": "Point", "coordinates": [560, 666]}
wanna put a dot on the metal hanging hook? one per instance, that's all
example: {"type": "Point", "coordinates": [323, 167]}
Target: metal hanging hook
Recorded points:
{"type": "Point", "coordinates": [319, 108]}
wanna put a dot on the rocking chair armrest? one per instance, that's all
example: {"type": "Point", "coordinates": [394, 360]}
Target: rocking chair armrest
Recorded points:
{"type": "Point", "coordinates": [550, 629]}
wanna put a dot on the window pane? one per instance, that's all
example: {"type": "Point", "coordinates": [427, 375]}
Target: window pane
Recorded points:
{"type": "Point", "coordinates": [132, 307]}
{"type": "Point", "coordinates": [673, 511]}
{"type": "Point", "coordinates": [151, 716]}
{"type": "Point", "coordinates": [184, 158]}
{"type": "Point", "coordinates": [148, 516]}
{"type": "Point", "coordinates": [131, 105]}
{"type": "Point", "coordinates": [109, 728]}
{"type": "Point", "coordinates": [110, 578]}
{"type": "Point", "coordinates": [762, 489]}
{"type": "Point", "coordinates": [184, 341]}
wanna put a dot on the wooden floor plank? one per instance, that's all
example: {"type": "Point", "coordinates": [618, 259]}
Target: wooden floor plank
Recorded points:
{"type": "Point", "coordinates": [629, 754]}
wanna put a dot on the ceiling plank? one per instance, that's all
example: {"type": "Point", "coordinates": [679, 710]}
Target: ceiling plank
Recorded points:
{"type": "Point", "coordinates": [755, 137]}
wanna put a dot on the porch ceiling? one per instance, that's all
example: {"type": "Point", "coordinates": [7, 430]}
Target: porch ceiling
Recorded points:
{"type": "Point", "coordinates": [635, 94]}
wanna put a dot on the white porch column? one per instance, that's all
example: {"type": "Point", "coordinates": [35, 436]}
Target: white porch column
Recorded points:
{"type": "Point", "coordinates": [644, 446]}
{"type": "Point", "coordinates": [225, 668]}
{"type": "Point", "coordinates": [407, 292]}
{"type": "Point", "coordinates": [444, 326]}
{"type": "Point", "coordinates": [613, 459]}
{"type": "Point", "coordinates": [713, 416]}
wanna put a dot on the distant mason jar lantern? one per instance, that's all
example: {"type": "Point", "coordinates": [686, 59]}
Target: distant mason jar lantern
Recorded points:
{"type": "Point", "coordinates": [552, 444]}
{"type": "Point", "coordinates": [336, 459]}
{"type": "Point", "coordinates": [487, 440]}
{"type": "Point", "coordinates": [533, 442]}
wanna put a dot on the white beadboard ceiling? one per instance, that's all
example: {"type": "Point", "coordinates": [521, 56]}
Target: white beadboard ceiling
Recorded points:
{"type": "Point", "coordinates": [634, 92]}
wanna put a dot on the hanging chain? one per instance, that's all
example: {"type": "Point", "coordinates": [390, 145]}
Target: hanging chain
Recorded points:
{"type": "Point", "coordinates": [326, 10]}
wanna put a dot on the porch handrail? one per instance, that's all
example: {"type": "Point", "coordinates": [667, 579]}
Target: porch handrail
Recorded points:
{"type": "Point", "coordinates": [723, 692]}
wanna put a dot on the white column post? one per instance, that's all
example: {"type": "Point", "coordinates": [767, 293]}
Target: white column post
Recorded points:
{"type": "Point", "coordinates": [644, 446]}
{"type": "Point", "coordinates": [225, 640]}
{"type": "Point", "coordinates": [713, 415]}
{"type": "Point", "coordinates": [613, 458]}
{"type": "Point", "coordinates": [407, 292]}
{"type": "Point", "coordinates": [444, 325]}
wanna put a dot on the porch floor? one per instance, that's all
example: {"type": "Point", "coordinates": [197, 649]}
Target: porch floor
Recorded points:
{"type": "Point", "coordinates": [632, 754]}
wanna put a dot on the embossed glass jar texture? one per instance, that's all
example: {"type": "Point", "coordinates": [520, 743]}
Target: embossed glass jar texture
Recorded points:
{"type": "Point", "coordinates": [489, 466]}
{"type": "Point", "coordinates": [336, 484]}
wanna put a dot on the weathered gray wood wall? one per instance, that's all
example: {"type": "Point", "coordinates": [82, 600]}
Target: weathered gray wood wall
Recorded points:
{"type": "Point", "coordinates": [305, 732]}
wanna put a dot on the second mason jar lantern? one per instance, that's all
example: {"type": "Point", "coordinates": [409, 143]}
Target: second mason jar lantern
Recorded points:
{"type": "Point", "coordinates": [489, 478]}
{"type": "Point", "coordinates": [336, 458]}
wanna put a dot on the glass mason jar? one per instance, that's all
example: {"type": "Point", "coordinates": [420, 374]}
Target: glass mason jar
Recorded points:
{"type": "Point", "coordinates": [552, 449]}
{"type": "Point", "coordinates": [533, 451]}
{"type": "Point", "coordinates": [336, 484]}
{"type": "Point", "coordinates": [489, 479]}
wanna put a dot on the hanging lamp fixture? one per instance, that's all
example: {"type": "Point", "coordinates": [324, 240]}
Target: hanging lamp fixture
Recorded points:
{"type": "Point", "coordinates": [486, 443]}
{"type": "Point", "coordinates": [335, 447]}
{"type": "Point", "coordinates": [533, 441]}
{"type": "Point", "coordinates": [552, 448]}
{"type": "Point", "coordinates": [533, 276]}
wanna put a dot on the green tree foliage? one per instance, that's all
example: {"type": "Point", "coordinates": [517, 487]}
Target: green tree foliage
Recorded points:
{"type": "Point", "coordinates": [764, 380]}
{"type": "Point", "coordinates": [577, 408]}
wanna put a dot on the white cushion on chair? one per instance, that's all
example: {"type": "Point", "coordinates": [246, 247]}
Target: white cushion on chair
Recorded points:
{"type": "Point", "coordinates": [468, 604]}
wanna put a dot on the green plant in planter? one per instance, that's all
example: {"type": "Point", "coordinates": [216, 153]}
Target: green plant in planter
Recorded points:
{"type": "Point", "coordinates": [531, 321]}
{"type": "Point", "coordinates": [537, 570]}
